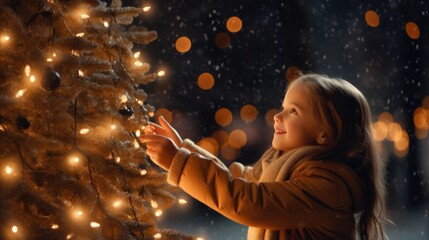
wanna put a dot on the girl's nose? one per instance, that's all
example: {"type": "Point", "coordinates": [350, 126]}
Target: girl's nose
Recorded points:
{"type": "Point", "coordinates": [277, 117]}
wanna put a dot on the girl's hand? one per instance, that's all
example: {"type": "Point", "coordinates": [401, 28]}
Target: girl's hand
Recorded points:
{"type": "Point", "coordinates": [160, 149]}
{"type": "Point", "coordinates": [164, 129]}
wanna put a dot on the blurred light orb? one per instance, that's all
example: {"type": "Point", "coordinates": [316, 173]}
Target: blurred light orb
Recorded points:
{"type": "Point", "coordinates": [248, 113]}
{"type": "Point", "coordinates": [237, 138]}
{"type": "Point", "coordinates": [167, 114]}
{"type": "Point", "coordinates": [372, 18]}
{"type": "Point", "coordinates": [209, 144]}
{"type": "Point", "coordinates": [222, 40]}
{"type": "Point", "coordinates": [183, 44]}
{"type": "Point", "coordinates": [234, 24]}
{"type": "Point", "coordinates": [412, 30]}
{"type": "Point", "coordinates": [223, 117]}
{"type": "Point", "coordinates": [206, 81]}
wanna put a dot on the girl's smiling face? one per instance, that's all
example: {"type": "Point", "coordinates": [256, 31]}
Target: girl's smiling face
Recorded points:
{"type": "Point", "coordinates": [295, 125]}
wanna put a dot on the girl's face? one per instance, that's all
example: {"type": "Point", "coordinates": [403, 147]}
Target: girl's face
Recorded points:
{"type": "Point", "coordinates": [295, 125]}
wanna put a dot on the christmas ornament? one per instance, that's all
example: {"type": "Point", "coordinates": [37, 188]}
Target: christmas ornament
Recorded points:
{"type": "Point", "coordinates": [51, 79]}
{"type": "Point", "coordinates": [22, 123]}
{"type": "Point", "coordinates": [126, 111]}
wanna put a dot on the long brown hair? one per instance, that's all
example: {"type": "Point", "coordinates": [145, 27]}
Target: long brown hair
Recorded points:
{"type": "Point", "coordinates": [345, 113]}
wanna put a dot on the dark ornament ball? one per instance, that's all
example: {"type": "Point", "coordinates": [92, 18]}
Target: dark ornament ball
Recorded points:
{"type": "Point", "coordinates": [22, 123]}
{"type": "Point", "coordinates": [51, 80]}
{"type": "Point", "coordinates": [126, 111]}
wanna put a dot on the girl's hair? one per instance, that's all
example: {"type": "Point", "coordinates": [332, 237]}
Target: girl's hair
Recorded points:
{"type": "Point", "coordinates": [345, 113]}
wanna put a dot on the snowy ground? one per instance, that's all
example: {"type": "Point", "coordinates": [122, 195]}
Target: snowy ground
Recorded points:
{"type": "Point", "coordinates": [211, 226]}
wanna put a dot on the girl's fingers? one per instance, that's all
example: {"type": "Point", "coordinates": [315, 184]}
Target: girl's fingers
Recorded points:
{"type": "Point", "coordinates": [156, 126]}
{"type": "Point", "coordinates": [164, 123]}
{"type": "Point", "coordinates": [151, 138]}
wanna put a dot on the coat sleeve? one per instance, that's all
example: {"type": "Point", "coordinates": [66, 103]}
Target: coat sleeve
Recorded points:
{"type": "Point", "coordinates": [269, 205]}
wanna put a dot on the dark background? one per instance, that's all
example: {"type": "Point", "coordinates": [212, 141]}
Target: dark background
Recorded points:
{"type": "Point", "coordinates": [328, 37]}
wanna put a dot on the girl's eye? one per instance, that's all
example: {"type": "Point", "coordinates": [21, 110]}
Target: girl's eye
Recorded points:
{"type": "Point", "coordinates": [293, 110]}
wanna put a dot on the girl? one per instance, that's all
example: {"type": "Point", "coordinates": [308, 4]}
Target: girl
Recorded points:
{"type": "Point", "coordinates": [322, 169]}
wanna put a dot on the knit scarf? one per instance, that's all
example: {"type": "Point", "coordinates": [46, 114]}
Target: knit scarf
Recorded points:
{"type": "Point", "coordinates": [273, 167]}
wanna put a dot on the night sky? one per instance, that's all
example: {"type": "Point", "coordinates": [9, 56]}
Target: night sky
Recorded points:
{"type": "Point", "coordinates": [329, 37]}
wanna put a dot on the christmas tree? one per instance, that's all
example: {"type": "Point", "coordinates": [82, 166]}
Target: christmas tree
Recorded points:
{"type": "Point", "coordinates": [71, 110]}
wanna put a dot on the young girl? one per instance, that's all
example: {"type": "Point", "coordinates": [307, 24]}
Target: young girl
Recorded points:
{"type": "Point", "coordinates": [321, 172]}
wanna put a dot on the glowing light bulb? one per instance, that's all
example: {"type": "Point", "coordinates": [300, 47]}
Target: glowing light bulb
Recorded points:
{"type": "Point", "coordinates": [200, 238]}
{"type": "Point", "coordinates": [136, 144]}
{"type": "Point", "coordinates": [54, 55]}
{"type": "Point", "coordinates": [113, 127]}
{"type": "Point", "coordinates": [14, 229]}
{"type": "Point", "coordinates": [143, 172]}
{"type": "Point", "coordinates": [27, 70]}
{"type": "Point", "coordinates": [69, 236]}
{"type": "Point", "coordinates": [80, 34]}
{"type": "Point", "coordinates": [158, 213]}
{"type": "Point", "coordinates": [124, 98]}
{"type": "Point", "coordinates": [136, 54]}
{"type": "Point", "coordinates": [79, 213]}
{"type": "Point", "coordinates": [84, 131]}
{"type": "Point", "coordinates": [75, 159]}
{"type": "Point", "coordinates": [32, 78]}
{"type": "Point", "coordinates": [182, 201]}
{"type": "Point", "coordinates": [94, 224]}
{"type": "Point", "coordinates": [5, 38]}
{"type": "Point", "coordinates": [80, 73]}
{"type": "Point", "coordinates": [2, 128]}
{"type": "Point", "coordinates": [49, 60]}
{"type": "Point", "coordinates": [151, 114]}
{"type": "Point", "coordinates": [117, 203]}
{"type": "Point", "coordinates": [157, 236]}
{"type": "Point", "coordinates": [138, 63]}
{"type": "Point", "coordinates": [84, 16]}
{"type": "Point", "coordinates": [146, 8]}
{"type": "Point", "coordinates": [54, 226]}
{"type": "Point", "coordinates": [154, 204]}
{"type": "Point", "coordinates": [8, 170]}
{"type": "Point", "coordinates": [20, 93]}
{"type": "Point", "coordinates": [140, 102]}
{"type": "Point", "coordinates": [118, 159]}
{"type": "Point", "coordinates": [138, 133]}
{"type": "Point", "coordinates": [106, 24]}
{"type": "Point", "coordinates": [161, 73]}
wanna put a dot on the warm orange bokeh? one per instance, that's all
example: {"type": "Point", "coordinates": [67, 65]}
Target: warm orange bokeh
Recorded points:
{"type": "Point", "coordinates": [234, 24]}
{"type": "Point", "coordinates": [209, 144]}
{"type": "Point", "coordinates": [183, 44]}
{"type": "Point", "coordinates": [385, 117]}
{"type": "Point", "coordinates": [164, 112]}
{"type": "Point", "coordinates": [248, 113]}
{"type": "Point", "coordinates": [379, 131]}
{"type": "Point", "coordinates": [237, 138]}
{"type": "Point", "coordinates": [222, 40]}
{"type": "Point", "coordinates": [421, 118]}
{"type": "Point", "coordinates": [206, 81]}
{"type": "Point", "coordinates": [223, 117]}
{"type": "Point", "coordinates": [229, 153]}
{"type": "Point", "coordinates": [372, 18]}
{"type": "Point", "coordinates": [412, 30]}
{"type": "Point", "coordinates": [221, 137]}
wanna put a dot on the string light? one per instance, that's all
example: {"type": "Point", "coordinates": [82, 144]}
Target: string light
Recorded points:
{"type": "Point", "coordinates": [118, 159]}
{"type": "Point", "coordinates": [106, 24]}
{"type": "Point", "coordinates": [27, 70]}
{"type": "Point", "coordinates": [136, 144]}
{"type": "Point", "coordinates": [20, 93]}
{"type": "Point", "coordinates": [80, 73]}
{"type": "Point", "coordinates": [138, 63]}
{"type": "Point", "coordinates": [161, 73]}
{"type": "Point", "coordinates": [158, 213]}
{"type": "Point", "coordinates": [124, 98]}
{"type": "Point", "coordinates": [154, 204]}
{"type": "Point", "coordinates": [8, 170]}
{"type": "Point", "coordinates": [138, 133]}
{"type": "Point", "coordinates": [32, 78]}
{"type": "Point", "coordinates": [200, 238]}
{"type": "Point", "coordinates": [136, 54]}
{"type": "Point", "coordinates": [84, 131]}
{"type": "Point", "coordinates": [2, 128]}
{"type": "Point", "coordinates": [14, 229]}
{"type": "Point", "coordinates": [182, 201]}
{"type": "Point", "coordinates": [94, 224]}
{"type": "Point", "coordinates": [84, 16]}
{"type": "Point", "coordinates": [49, 60]}
{"type": "Point", "coordinates": [54, 226]}
{"type": "Point", "coordinates": [69, 236]}
{"type": "Point", "coordinates": [78, 213]}
{"type": "Point", "coordinates": [117, 203]}
{"type": "Point", "coordinates": [113, 127]}
{"type": "Point", "coordinates": [157, 236]}
{"type": "Point", "coordinates": [143, 172]}
{"type": "Point", "coordinates": [80, 34]}
{"type": "Point", "coordinates": [146, 8]}
{"type": "Point", "coordinates": [5, 38]}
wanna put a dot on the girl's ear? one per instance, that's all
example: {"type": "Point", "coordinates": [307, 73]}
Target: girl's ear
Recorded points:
{"type": "Point", "coordinates": [322, 139]}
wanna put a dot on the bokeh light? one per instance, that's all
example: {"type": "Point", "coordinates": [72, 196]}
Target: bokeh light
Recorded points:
{"type": "Point", "coordinates": [372, 18]}
{"type": "Point", "coordinates": [223, 117]}
{"type": "Point", "coordinates": [234, 24]}
{"type": "Point", "coordinates": [237, 138]}
{"type": "Point", "coordinates": [183, 44]}
{"type": "Point", "coordinates": [248, 113]}
{"type": "Point", "coordinates": [269, 116]}
{"type": "Point", "coordinates": [402, 144]}
{"type": "Point", "coordinates": [206, 81]}
{"type": "Point", "coordinates": [221, 136]}
{"type": "Point", "coordinates": [385, 117]}
{"type": "Point", "coordinates": [167, 114]}
{"type": "Point", "coordinates": [412, 30]}
{"type": "Point", "coordinates": [209, 144]}
{"type": "Point", "coordinates": [421, 118]}
{"type": "Point", "coordinates": [229, 153]}
{"type": "Point", "coordinates": [379, 131]}
{"type": "Point", "coordinates": [222, 40]}
{"type": "Point", "coordinates": [394, 131]}
{"type": "Point", "coordinates": [292, 73]}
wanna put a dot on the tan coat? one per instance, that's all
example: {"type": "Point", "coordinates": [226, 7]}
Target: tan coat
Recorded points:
{"type": "Point", "coordinates": [316, 202]}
